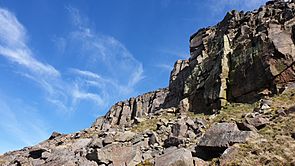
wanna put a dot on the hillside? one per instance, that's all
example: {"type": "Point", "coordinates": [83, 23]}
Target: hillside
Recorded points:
{"type": "Point", "coordinates": [231, 103]}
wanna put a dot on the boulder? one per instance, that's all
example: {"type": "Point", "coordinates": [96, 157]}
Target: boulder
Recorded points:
{"type": "Point", "coordinates": [223, 135]}
{"type": "Point", "coordinates": [96, 143]}
{"type": "Point", "coordinates": [219, 137]}
{"type": "Point", "coordinates": [124, 136]}
{"type": "Point", "coordinates": [108, 139]}
{"type": "Point", "coordinates": [54, 135]}
{"type": "Point", "coordinates": [179, 129]}
{"type": "Point", "coordinates": [153, 138]}
{"type": "Point", "coordinates": [246, 127]}
{"type": "Point", "coordinates": [257, 121]}
{"type": "Point", "coordinates": [179, 157]}
{"type": "Point", "coordinates": [117, 154]}
{"type": "Point", "coordinates": [199, 162]}
{"type": "Point", "coordinates": [173, 141]}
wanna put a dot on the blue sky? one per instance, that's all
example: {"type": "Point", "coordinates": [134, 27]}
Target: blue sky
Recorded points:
{"type": "Point", "coordinates": [64, 63]}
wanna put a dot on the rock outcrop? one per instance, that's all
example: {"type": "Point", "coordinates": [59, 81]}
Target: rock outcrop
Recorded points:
{"type": "Point", "coordinates": [232, 100]}
{"type": "Point", "coordinates": [244, 57]}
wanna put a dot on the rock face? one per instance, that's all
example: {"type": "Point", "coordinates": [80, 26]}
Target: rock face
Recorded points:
{"type": "Point", "coordinates": [245, 57]}
{"type": "Point", "coordinates": [124, 113]}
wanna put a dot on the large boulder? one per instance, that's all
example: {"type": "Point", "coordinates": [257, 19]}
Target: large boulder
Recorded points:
{"type": "Point", "coordinates": [117, 154]}
{"type": "Point", "coordinates": [219, 137]}
{"type": "Point", "coordinates": [179, 157]}
{"type": "Point", "coordinates": [224, 135]}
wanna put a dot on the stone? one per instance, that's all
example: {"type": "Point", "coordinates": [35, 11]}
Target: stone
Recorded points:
{"type": "Point", "coordinates": [199, 162]}
{"type": "Point", "coordinates": [219, 137]}
{"type": "Point", "coordinates": [281, 112]}
{"type": "Point", "coordinates": [179, 157]}
{"type": "Point", "coordinates": [124, 136]}
{"type": "Point", "coordinates": [179, 129]}
{"type": "Point", "coordinates": [293, 135]}
{"type": "Point", "coordinates": [54, 135]}
{"type": "Point", "coordinates": [201, 122]}
{"type": "Point", "coordinates": [37, 153]}
{"type": "Point", "coordinates": [137, 138]}
{"type": "Point", "coordinates": [98, 123]}
{"type": "Point", "coordinates": [147, 155]}
{"type": "Point", "coordinates": [258, 121]}
{"type": "Point", "coordinates": [191, 135]}
{"type": "Point", "coordinates": [223, 135]}
{"type": "Point", "coordinates": [138, 120]}
{"type": "Point", "coordinates": [228, 155]}
{"type": "Point", "coordinates": [153, 138]}
{"type": "Point", "coordinates": [108, 140]}
{"type": "Point", "coordinates": [117, 154]}
{"type": "Point", "coordinates": [246, 127]}
{"type": "Point", "coordinates": [173, 141]}
{"type": "Point", "coordinates": [184, 105]}
{"type": "Point", "coordinates": [291, 110]}
{"type": "Point", "coordinates": [96, 143]}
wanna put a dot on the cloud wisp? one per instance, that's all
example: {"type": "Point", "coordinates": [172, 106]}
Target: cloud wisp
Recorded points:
{"type": "Point", "coordinates": [106, 60]}
{"type": "Point", "coordinates": [103, 71]}
{"type": "Point", "coordinates": [98, 53]}
{"type": "Point", "coordinates": [13, 45]}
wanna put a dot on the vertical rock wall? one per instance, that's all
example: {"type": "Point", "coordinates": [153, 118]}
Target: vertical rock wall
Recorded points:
{"type": "Point", "coordinates": [241, 59]}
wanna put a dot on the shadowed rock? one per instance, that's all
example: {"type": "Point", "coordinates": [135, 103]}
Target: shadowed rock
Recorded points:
{"type": "Point", "coordinates": [219, 137]}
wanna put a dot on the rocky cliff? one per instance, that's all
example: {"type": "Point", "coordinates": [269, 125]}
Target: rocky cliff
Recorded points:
{"type": "Point", "coordinates": [231, 102]}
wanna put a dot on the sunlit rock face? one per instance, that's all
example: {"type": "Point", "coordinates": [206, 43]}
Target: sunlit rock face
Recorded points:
{"type": "Point", "coordinates": [244, 57]}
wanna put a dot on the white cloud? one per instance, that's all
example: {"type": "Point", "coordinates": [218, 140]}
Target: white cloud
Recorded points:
{"type": "Point", "coordinates": [178, 54]}
{"type": "Point", "coordinates": [87, 74]}
{"type": "Point", "coordinates": [97, 52]}
{"type": "Point", "coordinates": [78, 94]}
{"type": "Point", "coordinates": [165, 67]}
{"type": "Point", "coordinates": [101, 52]}
{"type": "Point", "coordinates": [136, 76]}
{"type": "Point", "coordinates": [13, 45]}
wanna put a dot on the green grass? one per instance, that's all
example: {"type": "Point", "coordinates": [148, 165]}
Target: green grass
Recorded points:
{"type": "Point", "coordinates": [145, 163]}
{"type": "Point", "coordinates": [274, 146]}
{"type": "Point", "coordinates": [151, 124]}
{"type": "Point", "coordinates": [234, 112]}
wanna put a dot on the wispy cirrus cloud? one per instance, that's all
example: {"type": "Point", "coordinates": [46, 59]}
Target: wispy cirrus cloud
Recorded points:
{"type": "Point", "coordinates": [179, 54]}
{"type": "Point", "coordinates": [14, 47]}
{"type": "Point", "coordinates": [102, 72]}
{"type": "Point", "coordinates": [98, 53]}
{"type": "Point", "coordinates": [165, 67]}
{"type": "Point", "coordinates": [104, 56]}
